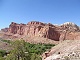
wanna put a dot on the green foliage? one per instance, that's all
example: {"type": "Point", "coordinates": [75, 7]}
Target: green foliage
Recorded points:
{"type": "Point", "coordinates": [2, 53]}
{"type": "Point", "coordinates": [38, 48]}
{"type": "Point", "coordinates": [2, 58]}
{"type": "Point", "coordinates": [10, 57]}
{"type": "Point", "coordinates": [8, 41]}
{"type": "Point", "coordinates": [26, 51]}
{"type": "Point", "coordinates": [19, 50]}
{"type": "Point", "coordinates": [35, 57]}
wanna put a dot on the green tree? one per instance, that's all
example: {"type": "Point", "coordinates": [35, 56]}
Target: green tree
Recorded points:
{"type": "Point", "coordinates": [26, 51]}
{"type": "Point", "coordinates": [2, 53]}
{"type": "Point", "coordinates": [11, 57]}
{"type": "Point", "coordinates": [2, 58]}
{"type": "Point", "coordinates": [35, 57]}
{"type": "Point", "coordinates": [18, 52]}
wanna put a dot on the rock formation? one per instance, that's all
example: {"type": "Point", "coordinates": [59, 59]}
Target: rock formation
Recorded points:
{"type": "Point", "coordinates": [16, 28]}
{"type": "Point", "coordinates": [68, 48]}
{"type": "Point", "coordinates": [4, 29]}
{"type": "Point", "coordinates": [69, 31]}
{"type": "Point", "coordinates": [57, 33]}
{"type": "Point", "coordinates": [35, 29]}
{"type": "Point", "coordinates": [66, 31]}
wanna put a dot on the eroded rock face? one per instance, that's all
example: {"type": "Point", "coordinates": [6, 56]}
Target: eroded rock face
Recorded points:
{"type": "Point", "coordinates": [16, 28]}
{"type": "Point", "coordinates": [66, 31]}
{"type": "Point", "coordinates": [70, 31]}
{"type": "Point", "coordinates": [35, 29]}
{"type": "Point", "coordinates": [69, 48]}
{"type": "Point", "coordinates": [70, 27]}
{"type": "Point", "coordinates": [4, 29]}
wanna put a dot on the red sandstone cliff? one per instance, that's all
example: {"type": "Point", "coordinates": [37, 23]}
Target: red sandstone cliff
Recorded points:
{"type": "Point", "coordinates": [35, 29]}
{"type": "Point", "coordinates": [66, 31]}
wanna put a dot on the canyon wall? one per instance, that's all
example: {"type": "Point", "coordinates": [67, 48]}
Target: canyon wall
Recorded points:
{"type": "Point", "coordinates": [66, 31]}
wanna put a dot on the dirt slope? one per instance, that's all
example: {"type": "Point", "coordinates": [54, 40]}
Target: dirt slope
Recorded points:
{"type": "Point", "coordinates": [68, 48]}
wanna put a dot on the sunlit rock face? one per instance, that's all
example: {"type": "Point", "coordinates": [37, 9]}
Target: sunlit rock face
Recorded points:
{"type": "Point", "coordinates": [34, 28]}
{"type": "Point", "coordinates": [70, 31]}
{"type": "Point", "coordinates": [66, 31]}
{"type": "Point", "coordinates": [68, 48]}
{"type": "Point", "coordinates": [16, 28]}
{"type": "Point", "coordinates": [70, 26]}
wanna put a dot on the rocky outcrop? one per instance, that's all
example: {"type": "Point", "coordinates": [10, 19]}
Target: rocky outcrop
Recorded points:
{"type": "Point", "coordinates": [4, 29]}
{"type": "Point", "coordinates": [35, 29]}
{"type": "Point", "coordinates": [16, 28]}
{"type": "Point", "coordinates": [69, 31]}
{"type": "Point", "coordinates": [66, 31]}
{"type": "Point", "coordinates": [68, 26]}
{"type": "Point", "coordinates": [68, 48]}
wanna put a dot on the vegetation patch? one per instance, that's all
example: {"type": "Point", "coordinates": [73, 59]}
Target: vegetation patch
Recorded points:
{"type": "Point", "coordinates": [24, 51]}
{"type": "Point", "coordinates": [8, 41]}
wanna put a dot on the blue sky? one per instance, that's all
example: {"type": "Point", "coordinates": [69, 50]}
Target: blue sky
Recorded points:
{"type": "Point", "coordinates": [48, 11]}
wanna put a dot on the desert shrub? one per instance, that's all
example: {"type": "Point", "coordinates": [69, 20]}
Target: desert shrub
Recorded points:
{"type": "Point", "coordinates": [2, 53]}
{"type": "Point", "coordinates": [2, 58]}
{"type": "Point", "coordinates": [35, 57]}
{"type": "Point", "coordinates": [8, 41]}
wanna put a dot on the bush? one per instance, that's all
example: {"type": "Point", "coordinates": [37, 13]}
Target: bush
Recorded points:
{"type": "Point", "coordinates": [2, 53]}
{"type": "Point", "coordinates": [2, 58]}
{"type": "Point", "coordinates": [8, 41]}
{"type": "Point", "coordinates": [35, 57]}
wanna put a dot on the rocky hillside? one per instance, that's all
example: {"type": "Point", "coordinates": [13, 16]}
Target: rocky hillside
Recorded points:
{"type": "Point", "coordinates": [67, 50]}
{"type": "Point", "coordinates": [66, 31]}
{"type": "Point", "coordinates": [67, 34]}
